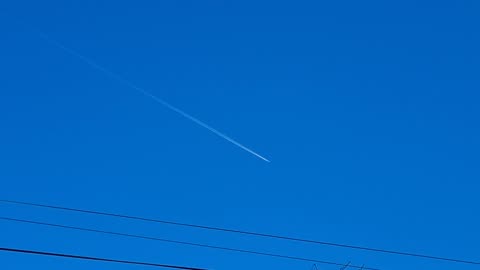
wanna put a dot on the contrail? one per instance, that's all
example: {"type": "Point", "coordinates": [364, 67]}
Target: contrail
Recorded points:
{"type": "Point", "coordinates": [148, 94]}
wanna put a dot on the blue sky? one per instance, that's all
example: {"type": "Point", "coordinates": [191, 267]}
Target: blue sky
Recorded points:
{"type": "Point", "coordinates": [368, 111]}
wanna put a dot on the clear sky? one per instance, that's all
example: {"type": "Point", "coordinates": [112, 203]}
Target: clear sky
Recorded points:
{"type": "Point", "coordinates": [368, 111]}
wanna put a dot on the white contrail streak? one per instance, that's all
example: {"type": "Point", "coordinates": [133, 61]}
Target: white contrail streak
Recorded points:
{"type": "Point", "coordinates": [150, 95]}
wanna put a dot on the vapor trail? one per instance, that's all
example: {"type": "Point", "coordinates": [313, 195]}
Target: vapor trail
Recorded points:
{"type": "Point", "coordinates": [148, 94]}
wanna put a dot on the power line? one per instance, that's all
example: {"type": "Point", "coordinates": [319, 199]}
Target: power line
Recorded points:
{"type": "Point", "coordinates": [273, 236]}
{"type": "Point", "coordinates": [181, 242]}
{"type": "Point", "coordinates": [71, 256]}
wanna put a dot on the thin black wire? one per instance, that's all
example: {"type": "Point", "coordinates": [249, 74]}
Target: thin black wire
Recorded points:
{"type": "Point", "coordinates": [345, 266]}
{"type": "Point", "coordinates": [71, 256]}
{"type": "Point", "coordinates": [180, 242]}
{"type": "Point", "coordinates": [246, 232]}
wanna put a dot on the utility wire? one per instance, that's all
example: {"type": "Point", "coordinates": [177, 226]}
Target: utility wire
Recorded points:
{"type": "Point", "coordinates": [78, 257]}
{"type": "Point", "coordinates": [181, 242]}
{"type": "Point", "coordinates": [273, 236]}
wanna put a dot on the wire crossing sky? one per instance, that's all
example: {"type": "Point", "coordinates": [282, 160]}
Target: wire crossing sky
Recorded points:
{"type": "Point", "coordinates": [131, 85]}
{"type": "Point", "coordinates": [88, 258]}
{"type": "Point", "coordinates": [393, 252]}
{"type": "Point", "coordinates": [184, 243]}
